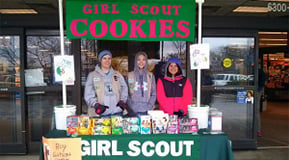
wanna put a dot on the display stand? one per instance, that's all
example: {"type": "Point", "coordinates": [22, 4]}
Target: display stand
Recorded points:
{"type": "Point", "coordinates": [132, 146]}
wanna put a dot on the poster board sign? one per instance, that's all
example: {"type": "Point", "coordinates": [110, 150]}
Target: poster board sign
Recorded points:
{"type": "Point", "coordinates": [142, 20]}
{"type": "Point", "coordinates": [200, 56]}
{"type": "Point", "coordinates": [64, 69]}
{"type": "Point", "coordinates": [241, 96]}
{"type": "Point", "coordinates": [61, 148]}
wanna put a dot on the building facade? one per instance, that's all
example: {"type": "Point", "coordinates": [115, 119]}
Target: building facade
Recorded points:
{"type": "Point", "coordinates": [28, 90]}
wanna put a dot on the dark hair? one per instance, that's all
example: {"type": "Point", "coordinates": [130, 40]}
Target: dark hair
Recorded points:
{"type": "Point", "coordinates": [249, 92]}
{"type": "Point", "coordinates": [178, 73]}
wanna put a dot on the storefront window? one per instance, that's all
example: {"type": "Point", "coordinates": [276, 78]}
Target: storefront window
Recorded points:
{"type": "Point", "coordinates": [9, 61]}
{"type": "Point", "coordinates": [176, 49]}
{"type": "Point", "coordinates": [41, 109]}
{"type": "Point", "coordinates": [232, 61]}
{"type": "Point", "coordinates": [40, 52]}
{"type": "Point", "coordinates": [10, 116]}
{"type": "Point", "coordinates": [88, 57]}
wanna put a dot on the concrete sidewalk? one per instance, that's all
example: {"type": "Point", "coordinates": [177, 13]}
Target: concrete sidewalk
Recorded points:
{"type": "Point", "coordinates": [276, 153]}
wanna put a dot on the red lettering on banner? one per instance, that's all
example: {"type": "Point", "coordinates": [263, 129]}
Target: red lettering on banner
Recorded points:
{"type": "Point", "coordinates": [141, 9]}
{"type": "Point", "coordinates": [113, 28]}
{"type": "Point", "coordinates": [152, 28]}
{"type": "Point", "coordinates": [92, 27]}
{"type": "Point", "coordinates": [176, 9]}
{"type": "Point", "coordinates": [164, 10]}
{"type": "Point", "coordinates": [73, 27]}
{"type": "Point", "coordinates": [86, 9]}
{"type": "Point", "coordinates": [114, 11]}
{"type": "Point", "coordinates": [152, 10]}
{"type": "Point", "coordinates": [145, 9]}
{"type": "Point", "coordinates": [183, 29]}
{"type": "Point", "coordinates": [163, 28]}
{"type": "Point", "coordinates": [134, 7]}
{"type": "Point", "coordinates": [136, 28]}
{"type": "Point", "coordinates": [104, 8]}
{"type": "Point", "coordinates": [95, 9]}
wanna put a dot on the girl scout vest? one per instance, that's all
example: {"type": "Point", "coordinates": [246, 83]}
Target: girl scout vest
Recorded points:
{"type": "Point", "coordinates": [132, 79]}
{"type": "Point", "coordinates": [99, 85]}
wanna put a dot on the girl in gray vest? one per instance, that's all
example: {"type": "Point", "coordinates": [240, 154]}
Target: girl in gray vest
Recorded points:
{"type": "Point", "coordinates": [142, 87]}
{"type": "Point", "coordinates": [105, 89]}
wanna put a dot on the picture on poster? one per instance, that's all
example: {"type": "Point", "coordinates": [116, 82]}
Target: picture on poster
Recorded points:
{"type": "Point", "coordinates": [200, 56]}
{"type": "Point", "coordinates": [64, 69]}
{"type": "Point", "coordinates": [62, 148]}
{"type": "Point", "coordinates": [241, 96]}
{"type": "Point", "coordinates": [250, 96]}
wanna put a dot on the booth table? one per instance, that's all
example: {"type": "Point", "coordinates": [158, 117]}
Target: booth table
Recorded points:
{"type": "Point", "coordinates": [206, 147]}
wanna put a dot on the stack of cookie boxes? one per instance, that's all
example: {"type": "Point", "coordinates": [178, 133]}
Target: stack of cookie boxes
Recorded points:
{"type": "Point", "coordinates": [155, 123]}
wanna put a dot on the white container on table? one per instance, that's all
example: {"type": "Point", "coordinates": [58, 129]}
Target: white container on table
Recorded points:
{"type": "Point", "coordinates": [201, 113]}
{"type": "Point", "coordinates": [61, 112]}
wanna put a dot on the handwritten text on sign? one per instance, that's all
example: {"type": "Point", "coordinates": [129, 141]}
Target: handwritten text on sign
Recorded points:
{"type": "Point", "coordinates": [62, 148]}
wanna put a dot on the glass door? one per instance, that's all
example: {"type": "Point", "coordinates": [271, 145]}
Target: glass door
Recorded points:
{"type": "Point", "coordinates": [12, 120]}
{"type": "Point", "coordinates": [229, 85]}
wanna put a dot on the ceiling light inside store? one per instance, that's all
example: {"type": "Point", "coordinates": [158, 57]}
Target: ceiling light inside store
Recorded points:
{"type": "Point", "coordinates": [269, 39]}
{"type": "Point", "coordinates": [272, 32]}
{"type": "Point", "coordinates": [250, 9]}
{"type": "Point", "coordinates": [18, 11]}
{"type": "Point", "coordinates": [269, 44]}
{"type": "Point", "coordinates": [5, 37]}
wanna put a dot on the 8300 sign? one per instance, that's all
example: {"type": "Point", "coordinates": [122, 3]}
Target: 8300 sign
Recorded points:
{"type": "Point", "coordinates": [277, 7]}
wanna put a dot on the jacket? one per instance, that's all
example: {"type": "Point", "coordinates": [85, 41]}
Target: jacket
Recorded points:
{"type": "Point", "coordinates": [142, 89]}
{"type": "Point", "coordinates": [106, 89]}
{"type": "Point", "coordinates": [174, 94]}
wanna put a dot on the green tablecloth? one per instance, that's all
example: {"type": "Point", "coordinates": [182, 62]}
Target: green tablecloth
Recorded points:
{"type": "Point", "coordinates": [212, 147]}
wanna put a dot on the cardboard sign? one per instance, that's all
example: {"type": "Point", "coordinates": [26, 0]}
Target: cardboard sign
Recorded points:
{"type": "Point", "coordinates": [61, 148]}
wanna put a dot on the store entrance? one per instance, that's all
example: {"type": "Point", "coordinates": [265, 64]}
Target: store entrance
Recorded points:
{"type": "Point", "coordinates": [13, 133]}
{"type": "Point", "coordinates": [274, 55]}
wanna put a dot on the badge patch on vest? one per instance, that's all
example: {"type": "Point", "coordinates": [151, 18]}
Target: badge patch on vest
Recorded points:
{"type": "Point", "coordinates": [131, 83]}
{"type": "Point", "coordinates": [130, 80]}
{"type": "Point", "coordinates": [108, 91]}
{"type": "Point", "coordinates": [115, 78]}
{"type": "Point", "coordinates": [96, 79]}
